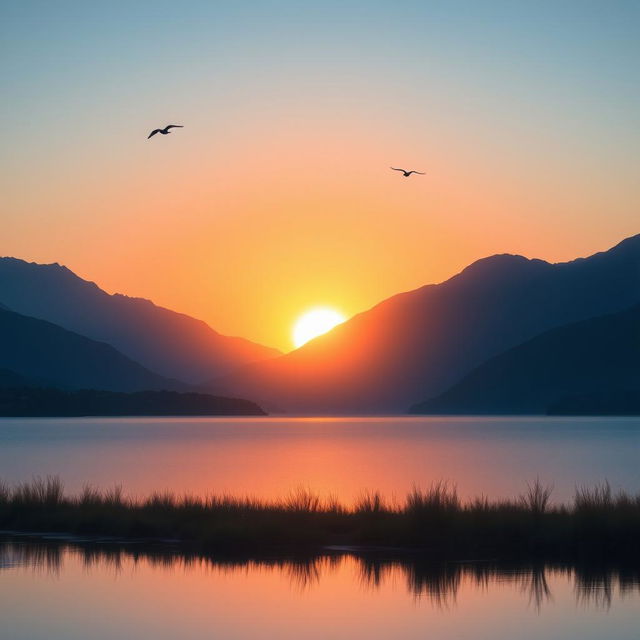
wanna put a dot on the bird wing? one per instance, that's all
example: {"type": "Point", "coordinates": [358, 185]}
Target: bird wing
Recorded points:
{"type": "Point", "coordinates": [173, 126]}
{"type": "Point", "coordinates": [396, 169]}
{"type": "Point", "coordinates": [153, 133]}
{"type": "Point", "coordinates": [420, 173]}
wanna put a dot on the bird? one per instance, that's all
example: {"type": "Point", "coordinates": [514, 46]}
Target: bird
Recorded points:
{"type": "Point", "coordinates": [164, 131]}
{"type": "Point", "coordinates": [406, 174]}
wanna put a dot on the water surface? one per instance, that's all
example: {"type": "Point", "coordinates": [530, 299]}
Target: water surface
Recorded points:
{"type": "Point", "coordinates": [54, 592]}
{"type": "Point", "coordinates": [267, 457]}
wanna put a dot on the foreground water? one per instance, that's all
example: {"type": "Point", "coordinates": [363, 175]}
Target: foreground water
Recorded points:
{"type": "Point", "coordinates": [267, 457]}
{"type": "Point", "coordinates": [55, 592]}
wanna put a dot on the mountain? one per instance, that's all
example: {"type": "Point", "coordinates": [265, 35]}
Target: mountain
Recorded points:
{"type": "Point", "coordinates": [172, 344]}
{"type": "Point", "coordinates": [615, 402]}
{"type": "Point", "coordinates": [418, 344]}
{"type": "Point", "coordinates": [12, 380]}
{"type": "Point", "coordinates": [56, 402]}
{"type": "Point", "coordinates": [34, 349]}
{"type": "Point", "coordinates": [596, 356]}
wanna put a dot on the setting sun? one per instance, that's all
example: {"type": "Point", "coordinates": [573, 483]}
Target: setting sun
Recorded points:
{"type": "Point", "coordinates": [314, 323]}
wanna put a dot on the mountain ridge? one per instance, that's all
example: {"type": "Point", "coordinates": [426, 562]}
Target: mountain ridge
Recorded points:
{"type": "Point", "coordinates": [35, 349]}
{"type": "Point", "coordinates": [596, 355]}
{"type": "Point", "coordinates": [418, 343]}
{"type": "Point", "coordinates": [168, 342]}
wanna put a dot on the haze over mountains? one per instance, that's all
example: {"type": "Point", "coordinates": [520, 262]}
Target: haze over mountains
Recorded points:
{"type": "Point", "coordinates": [418, 344]}
{"type": "Point", "coordinates": [595, 356]}
{"type": "Point", "coordinates": [171, 344]}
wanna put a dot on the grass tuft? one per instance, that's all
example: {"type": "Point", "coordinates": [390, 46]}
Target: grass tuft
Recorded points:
{"type": "Point", "coordinates": [536, 498]}
{"type": "Point", "coordinates": [441, 497]}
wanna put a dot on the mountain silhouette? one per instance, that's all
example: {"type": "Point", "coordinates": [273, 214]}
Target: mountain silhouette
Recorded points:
{"type": "Point", "coordinates": [169, 343]}
{"type": "Point", "coordinates": [89, 402]}
{"type": "Point", "coordinates": [12, 380]}
{"type": "Point", "coordinates": [613, 402]}
{"type": "Point", "coordinates": [35, 349]}
{"type": "Point", "coordinates": [599, 355]}
{"type": "Point", "coordinates": [416, 345]}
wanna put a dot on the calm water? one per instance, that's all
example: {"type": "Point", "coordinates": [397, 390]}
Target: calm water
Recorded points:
{"type": "Point", "coordinates": [341, 456]}
{"type": "Point", "coordinates": [66, 593]}
{"type": "Point", "coordinates": [56, 591]}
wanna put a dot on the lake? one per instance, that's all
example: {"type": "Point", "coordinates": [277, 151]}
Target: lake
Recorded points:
{"type": "Point", "coordinates": [56, 589]}
{"type": "Point", "coordinates": [268, 457]}
{"type": "Point", "coordinates": [53, 591]}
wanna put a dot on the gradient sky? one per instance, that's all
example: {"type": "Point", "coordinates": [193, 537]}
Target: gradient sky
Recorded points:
{"type": "Point", "coordinates": [276, 196]}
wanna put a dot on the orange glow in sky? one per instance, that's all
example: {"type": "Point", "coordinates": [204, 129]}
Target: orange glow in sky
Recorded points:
{"type": "Point", "coordinates": [277, 196]}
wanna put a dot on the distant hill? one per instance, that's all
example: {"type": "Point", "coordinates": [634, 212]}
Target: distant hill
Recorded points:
{"type": "Point", "coordinates": [172, 344]}
{"type": "Point", "coordinates": [596, 356]}
{"type": "Point", "coordinates": [615, 402]}
{"type": "Point", "coordinates": [38, 350]}
{"type": "Point", "coordinates": [55, 402]}
{"type": "Point", "coordinates": [12, 380]}
{"type": "Point", "coordinates": [418, 344]}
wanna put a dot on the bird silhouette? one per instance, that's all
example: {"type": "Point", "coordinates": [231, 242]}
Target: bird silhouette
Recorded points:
{"type": "Point", "coordinates": [164, 131]}
{"type": "Point", "coordinates": [406, 174]}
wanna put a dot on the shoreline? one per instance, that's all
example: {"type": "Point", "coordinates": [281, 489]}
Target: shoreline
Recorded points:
{"type": "Point", "coordinates": [596, 525]}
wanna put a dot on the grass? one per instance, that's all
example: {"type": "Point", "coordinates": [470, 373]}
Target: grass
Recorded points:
{"type": "Point", "coordinates": [597, 525]}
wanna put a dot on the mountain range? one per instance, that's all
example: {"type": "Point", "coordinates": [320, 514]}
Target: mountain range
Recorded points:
{"type": "Point", "coordinates": [507, 334]}
{"type": "Point", "coordinates": [416, 345]}
{"type": "Point", "coordinates": [171, 344]}
{"type": "Point", "coordinates": [595, 356]}
{"type": "Point", "coordinates": [38, 353]}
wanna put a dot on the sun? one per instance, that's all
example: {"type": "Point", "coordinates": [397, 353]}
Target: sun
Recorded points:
{"type": "Point", "coordinates": [314, 323]}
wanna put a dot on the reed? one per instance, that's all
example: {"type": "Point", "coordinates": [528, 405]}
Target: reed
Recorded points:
{"type": "Point", "coordinates": [596, 524]}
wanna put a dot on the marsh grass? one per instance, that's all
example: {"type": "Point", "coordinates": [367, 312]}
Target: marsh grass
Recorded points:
{"type": "Point", "coordinates": [370, 502]}
{"type": "Point", "coordinates": [536, 498]}
{"type": "Point", "coordinates": [597, 523]}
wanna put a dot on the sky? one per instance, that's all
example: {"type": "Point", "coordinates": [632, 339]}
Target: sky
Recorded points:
{"type": "Point", "coordinates": [277, 196]}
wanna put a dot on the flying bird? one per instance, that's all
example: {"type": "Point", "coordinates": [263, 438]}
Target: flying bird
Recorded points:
{"type": "Point", "coordinates": [164, 131]}
{"type": "Point", "coordinates": [406, 174]}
